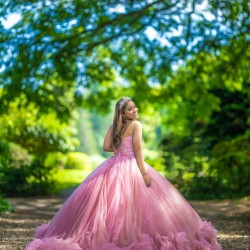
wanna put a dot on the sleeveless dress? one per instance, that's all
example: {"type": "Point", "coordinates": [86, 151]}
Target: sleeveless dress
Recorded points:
{"type": "Point", "coordinates": [113, 209]}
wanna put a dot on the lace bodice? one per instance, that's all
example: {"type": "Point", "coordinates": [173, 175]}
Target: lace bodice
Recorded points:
{"type": "Point", "coordinates": [126, 148]}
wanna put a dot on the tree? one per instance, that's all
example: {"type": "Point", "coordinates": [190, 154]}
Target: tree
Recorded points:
{"type": "Point", "coordinates": [63, 54]}
{"type": "Point", "coordinates": [88, 45]}
{"type": "Point", "coordinates": [208, 124]}
{"type": "Point", "coordinates": [28, 139]}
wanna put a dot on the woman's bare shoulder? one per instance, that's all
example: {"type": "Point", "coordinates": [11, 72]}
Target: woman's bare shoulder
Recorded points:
{"type": "Point", "coordinates": [137, 124]}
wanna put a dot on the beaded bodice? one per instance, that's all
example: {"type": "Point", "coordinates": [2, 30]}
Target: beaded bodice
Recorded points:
{"type": "Point", "coordinates": [126, 147]}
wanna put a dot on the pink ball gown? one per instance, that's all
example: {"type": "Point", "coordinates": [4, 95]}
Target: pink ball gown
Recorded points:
{"type": "Point", "coordinates": [112, 209]}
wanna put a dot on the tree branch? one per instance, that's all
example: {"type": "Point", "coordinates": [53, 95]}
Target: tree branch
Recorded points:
{"type": "Point", "coordinates": [91, 46]}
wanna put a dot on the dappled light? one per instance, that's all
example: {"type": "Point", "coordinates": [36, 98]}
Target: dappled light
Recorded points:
{"type": "Point", "coordinates": [230, 217]}
{"type": "Point", "coordinates": [185, 64]}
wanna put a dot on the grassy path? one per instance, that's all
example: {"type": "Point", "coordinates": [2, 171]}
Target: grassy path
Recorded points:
{"type": "Point", "coordinates": [230, 217]}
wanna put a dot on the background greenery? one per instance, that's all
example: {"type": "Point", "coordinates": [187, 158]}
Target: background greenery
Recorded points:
{"type": "Point", "coordinates": [184, 63]}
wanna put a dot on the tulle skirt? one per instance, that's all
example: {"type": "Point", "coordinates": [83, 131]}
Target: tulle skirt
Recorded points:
{"type": "Point", "coordinates": [113, 209]}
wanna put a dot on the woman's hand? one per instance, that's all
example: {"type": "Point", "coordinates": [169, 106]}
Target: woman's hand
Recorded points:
{"type": "Point", "coordinates": [147, 180]}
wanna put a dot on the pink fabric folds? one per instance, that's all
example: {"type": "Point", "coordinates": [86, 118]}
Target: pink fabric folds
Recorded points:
{"type": "Point", "coordinates": [114, 210]}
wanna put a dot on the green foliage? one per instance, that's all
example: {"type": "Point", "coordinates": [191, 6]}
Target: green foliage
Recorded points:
{"type": "Point", "coordinates": [4, 160]}
{"type": "Point", "coordinates": [5, 154]}
{"type": "Point", "coordinates": [19, 156]}
{"type": "Point", "coordinates": [85, 49]}
{"type": "Point", "coordinates": [68, 178]}
{"type": "Point", "coordinates": [92, 127]}
{"type": "Point", "coordinates": [229, 164]}
{"type": "Point", "coordinates": [77, 160]}
{"type": "Point", "coordinates": [208, 150]}
{"type": "Point", "coordinates": [22, 174]}
{"type": "Point", "coordinates": [86, 133]}
{"type": "Point", "coordinates": [190, 81]}
{"type": "Point", "coordinates": [153, 158]}
{"type": "Point", "coordinates": [32, 139]}
{"type": "Point", "coordinates": [38, 133]}
{"type": "Point", "coordinates": [224, 173]}
{"type": "Point", "coordinates": [5, 206]}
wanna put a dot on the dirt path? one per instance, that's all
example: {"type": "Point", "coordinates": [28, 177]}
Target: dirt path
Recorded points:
{"type": "Point", "coordinates": [231, 218]}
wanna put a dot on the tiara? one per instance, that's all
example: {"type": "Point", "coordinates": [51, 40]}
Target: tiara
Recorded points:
{"type": "Point", "coordinates": [123, 101]}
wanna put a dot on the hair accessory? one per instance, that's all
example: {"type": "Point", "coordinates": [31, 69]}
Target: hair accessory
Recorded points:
{"type": "Point", "coordinates": [123, 101]}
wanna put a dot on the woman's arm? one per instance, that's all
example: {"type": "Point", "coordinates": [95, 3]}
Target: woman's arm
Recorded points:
{"type": "Point", "coordinates": [107, 144]}
{"type": "Point", "coordinates": [137, 145]}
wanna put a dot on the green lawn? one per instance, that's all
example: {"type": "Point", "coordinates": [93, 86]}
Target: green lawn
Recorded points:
{"type": "Point", "coordinates": [68, 178]}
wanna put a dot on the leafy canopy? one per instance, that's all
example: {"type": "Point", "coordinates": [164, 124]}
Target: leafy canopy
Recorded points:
{"type": "Point", "coordinates": [95, 47]}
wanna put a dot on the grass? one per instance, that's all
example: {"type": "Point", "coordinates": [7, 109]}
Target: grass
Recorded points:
{"type": "Point", "coordinates": [69, 178]}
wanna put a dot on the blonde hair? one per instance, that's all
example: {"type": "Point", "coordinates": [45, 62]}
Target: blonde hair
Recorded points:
{"type": "Point", "coordinates": [119, 124]}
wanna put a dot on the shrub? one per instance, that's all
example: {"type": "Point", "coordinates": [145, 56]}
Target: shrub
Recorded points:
{"type": "Point", "coordinates": [5, 206]}
{"type": "Point", "coordinates": [22, 173]}
{"type": "Point", "coordinates": [77, 160]}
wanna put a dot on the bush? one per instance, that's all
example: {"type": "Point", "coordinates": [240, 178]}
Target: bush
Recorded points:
{"type": "Point", "coordinates": [4, 162]}
{"type": "Point", "coordinates": [22, 174]}
{"type": "Point", "coordinates": [19, 156]}
{"type": "Point", "coordinates": [77, 160]}
{"type": "Point", "coordinates": [5, 206]}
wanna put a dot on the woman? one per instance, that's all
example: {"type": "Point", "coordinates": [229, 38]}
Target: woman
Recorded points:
{"type": "Point", "coordinates": [125, 204]}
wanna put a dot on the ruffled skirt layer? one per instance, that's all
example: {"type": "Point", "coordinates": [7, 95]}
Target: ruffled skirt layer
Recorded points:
{"type": "Point", "coordinates": [113, 209]}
